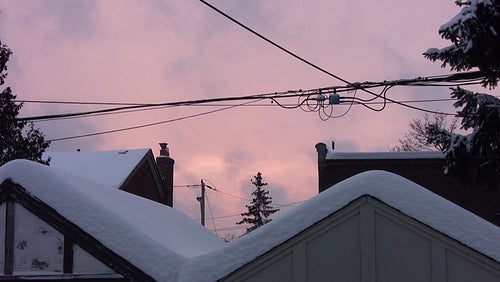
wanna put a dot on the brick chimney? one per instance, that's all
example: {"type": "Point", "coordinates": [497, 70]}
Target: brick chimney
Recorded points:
{"type": "Point", "coordinates": [166, 168]}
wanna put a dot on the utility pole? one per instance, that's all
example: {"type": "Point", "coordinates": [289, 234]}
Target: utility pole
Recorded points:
{"type": "Point", "coordinates": [201, 199]}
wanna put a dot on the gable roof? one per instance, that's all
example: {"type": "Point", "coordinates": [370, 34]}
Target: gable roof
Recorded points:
{"type": "Point", "coordinates": [169, 246]}
{"type": "Point", "coordinates": [118, 164]}
{"type": "Point", "coordinates": [155, 238]}
{"type": "Point", "coordinates": [391, 189]}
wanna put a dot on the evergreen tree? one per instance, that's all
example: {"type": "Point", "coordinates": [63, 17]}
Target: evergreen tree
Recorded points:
{"type": "Point", "coordinates": [475, 37]}
{"type": "Point", "coordinates": [259, 210]}
{"type": "Point", "coordinates": [18, 139]}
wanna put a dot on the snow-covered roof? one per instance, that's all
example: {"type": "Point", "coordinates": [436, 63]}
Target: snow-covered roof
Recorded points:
{"type": "Point", "coordinates": [155, 238]}
{"type": "Point", "coordinates": [169, 246]}
{"type": "Point", "coordinates": [396, 191]}
{"type": "Point", "coordinates": [118, 164]}
{"type": "Point", "coordinates": [334, 155]}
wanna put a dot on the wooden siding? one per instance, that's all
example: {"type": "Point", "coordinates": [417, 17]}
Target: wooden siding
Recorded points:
{"type": "Point", "coordinates": [42, 245]}
{"type": "Point", "coordinates": [83, 262]}
{"type": "Point", "coordinates": [369, 241]}
{"type": "Point", "coordinates": [38, 247]}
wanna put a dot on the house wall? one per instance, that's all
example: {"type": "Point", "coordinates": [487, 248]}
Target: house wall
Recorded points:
{"type": "Point", "coordinates": [369, 241]}
{"type": "Point", "coordinates": [39, 249]}
{"type": "Point", "coordinates": [426, 172]}
{"type": "Point", "coordinates": [38, 244]}
{"type": "Point", "coordinates": [142, 184]}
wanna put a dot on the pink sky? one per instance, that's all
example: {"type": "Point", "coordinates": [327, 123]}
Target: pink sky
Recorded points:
{"type": "Point", "coordinates": [177, 50]}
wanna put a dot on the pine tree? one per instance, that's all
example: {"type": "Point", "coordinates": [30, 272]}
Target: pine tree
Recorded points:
{"type": "Point", "coordinates": [259, 210]}
{"type": "Point", "coordinates": [475, 37]}
{"type": "Point", "coordinates": [18, 139]}
{"type": "Point", "coordinates": [475, 156]}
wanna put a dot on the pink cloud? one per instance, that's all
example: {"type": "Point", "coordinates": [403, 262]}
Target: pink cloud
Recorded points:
{"type": "Point", "coordinates": [121, 51]}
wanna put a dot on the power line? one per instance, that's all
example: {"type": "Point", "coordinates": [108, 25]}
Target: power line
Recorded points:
{"type": "Point", "coordinates": [273, 43]}
{"type": "Point", "coordinates": [224, 105]}
{"type": "Point", "coordinates": [141, 106]}
{"type": "Point", "coordinates": [187, 117]}
{"type": "Point", "coordinates": [305, 98]}
{"type": "Point", "coordinates": [210, 210]}
{"type": "Point", "coordinates": [283, 105]}
{"type": "Point", "coordinates": [80, 103]}
{"type": "Point", "coordinates": [290, 204]}
{"type": "Point", "coordinates": [103, 114]}
{"type": "Point", "coordinates": [224, 216]}
{"type": "Point", "coordinates": [306, 94]}
{"type": "Point", "coordinates": [142, 126]}
{"type": "Point", "coordinates": [239, 214]}
{"type": "Point", "coordinates": [225, 193]}
{"type": "Point", "coordinates": [232, 228]}
{"type": "Point", "coordinates": [188, 186]}
{"type": "Point", "coordinates": [312, 64]}
{"type": "Point", "coordinates": [234, 196]}
{"type": "Point", "coordinates": [213, 188]}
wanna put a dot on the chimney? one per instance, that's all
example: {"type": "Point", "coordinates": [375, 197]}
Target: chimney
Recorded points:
{"type": "Point", "coordinates": [166, 168]}
{"type": "Point", "coordinates": [322, 166]}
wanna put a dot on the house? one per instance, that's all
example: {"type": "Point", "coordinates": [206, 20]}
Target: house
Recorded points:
{"type": "Point", "coordinates": [134, 171]}
{"type": "Point", "coordinates": [423, 168]}
{"type": "Point", "coordinates": [56, 225]}
{"type": "Point", "coordinates": [375, 226]}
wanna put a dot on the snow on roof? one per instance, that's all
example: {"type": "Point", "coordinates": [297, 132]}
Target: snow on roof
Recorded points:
{"type": "Point", "coordinates": [334, 155]}
{"type": "Point", "coordinates": [110, 168]}
{"type": "Point", "coordinates": [398, 192]}
{"type": "Point", "coordinates": [154, 237]}
{"type": "Point", "coordinates": [169, 246]}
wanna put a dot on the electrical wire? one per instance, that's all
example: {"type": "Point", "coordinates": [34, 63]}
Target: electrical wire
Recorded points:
{"type": "Point", "coordinates": [103, 114]}
{"type": "Point", "coordinates": [211, 214]}
{"type": "Point", "coordinates": [233, 228]}
{"type": "Point", "coordinates": [456, 79]}
{"type": "Point", "coordinates": [225, 193]}
{"type": "Point", "coordinates": [304, 98]}
{"type": "Point", "coordinates": [145, 125]}
{"type": "Point", "coordinates": [272, 42]}
{"type": "Point", "coordinates": [214, 188]}
{"type": "Point", "coordinates": [458, 76]}
{"type": "Point", "coordinates": [181, 103]}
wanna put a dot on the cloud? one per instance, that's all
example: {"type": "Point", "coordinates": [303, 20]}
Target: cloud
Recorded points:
{"type": "Point", "coordinates": [164, 51]}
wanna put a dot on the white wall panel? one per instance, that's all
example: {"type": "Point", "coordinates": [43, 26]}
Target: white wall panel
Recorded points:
{"type": "Point", "coordinates": [38, 247]}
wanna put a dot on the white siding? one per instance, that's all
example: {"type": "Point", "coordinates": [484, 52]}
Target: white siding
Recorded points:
{"type": "Point", "coordinates": [280, 270]}
{"type": "Point", "coordinates": [400, 252]}
{"type": "Point", "coordinates": [37, 246]}
{"type": "Point", "coordinates": [335, 262]}
{"type": "Point", "coordinates": [369, 241]}
{"type": "Point", "coordinates": [84, 262]}
{"type": "Point", "coordinates": [462, 269]}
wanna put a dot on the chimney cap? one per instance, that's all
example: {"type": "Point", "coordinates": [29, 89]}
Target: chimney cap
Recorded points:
{"type": "Point", "coordinates": [164, 149]}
